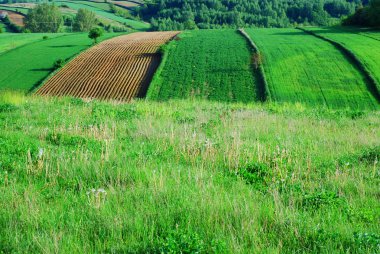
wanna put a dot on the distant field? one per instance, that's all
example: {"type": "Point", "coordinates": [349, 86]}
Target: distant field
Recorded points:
{"type": "Point", "coordinates": [303, 68]}
{"type": "Point", "coordinates": [22, 10]}
{"type": "Point", "coordinates": [13, 40]}
{"type": "Point", "coordinates": [24, 67]}
{"type": "Point", "coordinates": [365, 45]}
{"type": "Point", "coordinates": [132, 23]}
{"type": "Point", "coordinates": [209, 64]}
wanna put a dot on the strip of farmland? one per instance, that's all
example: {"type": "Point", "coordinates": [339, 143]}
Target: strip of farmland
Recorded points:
{"type": "Point", "coordinates": [207, 64]}
{"type": "Point", "coordinates": [302, 68]}
{"type": "Point", "coordinates": [118, 69]}
{"type": "Point", "coordinates": [364, 45]}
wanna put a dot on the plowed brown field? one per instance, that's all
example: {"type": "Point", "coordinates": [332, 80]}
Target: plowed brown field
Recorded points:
{"type": "Point", "coordinates": [15, 18]}
{"type": "Point", "coordinates": [119, 69]}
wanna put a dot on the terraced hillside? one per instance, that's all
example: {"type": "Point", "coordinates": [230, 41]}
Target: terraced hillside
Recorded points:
{"type": "Point", "coordinates": [208, 64]}
{"type": "Point", "coordinates": [365, 45]}
{"type": "Point", "coordinates": [23, 68]}
{"type": "Point", "coordinates": [302, 68]}
{"type": "Point", "coordinates": [118, 69]}
{"type": "Point", "coordinates": [100, 9]}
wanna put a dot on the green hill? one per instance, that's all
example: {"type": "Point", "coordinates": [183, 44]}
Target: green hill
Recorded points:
{"type": "Point", "coordinates": [186, 176]}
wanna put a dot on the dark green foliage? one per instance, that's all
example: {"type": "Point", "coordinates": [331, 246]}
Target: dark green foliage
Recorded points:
{"type": "Point", "coordinates": [58, 64]}
{"type": "Point", "coordinates": [95, 33]}
{"type": "Point", "coordinates": [10, 26]}
{"type": "Point", "coordinates": [320, 199]}
{"type": "Point", "coordinates": [44, 18]}
{"type": "Point", "coordinates": [257, 174]}
{"type": "Point", "coordinates": [178, 14]}
{"type": "Point", "coordinates": [367, 16]}
{"type": "Point", "coordinates": [84, 20]}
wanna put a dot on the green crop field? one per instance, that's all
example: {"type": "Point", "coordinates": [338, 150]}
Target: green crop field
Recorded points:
{"type": "Point", "coordinates": [365, 46]}
{"type": "Point", "coordinates": [212, 64]}
{"type": "Point", "coordinates": [302, 68]}
{"type": "Point", "coordinates": [24, 67]}
{"type": "Point", "coordinates": [186, 177]}
{"type": "Point", "coordinates": [13, 40]}
{"type": "Point", "coordinates": [138, 25]}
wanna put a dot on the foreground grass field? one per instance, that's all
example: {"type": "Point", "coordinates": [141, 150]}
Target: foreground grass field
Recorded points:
{"type": "Point", "coordinates": [25, 67]}
{"type": "Point", "coordinates": [300, 67]}
{"type": "Point", "coordinates": [365, 45]}
{"type": "Point", "coordinates": [186, 176]}
{"type": "Point", "coordinates": [212, 64]}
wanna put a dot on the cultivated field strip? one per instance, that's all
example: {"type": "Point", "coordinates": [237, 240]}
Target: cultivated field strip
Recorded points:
{"type": "Point", "coordinates": [302, 68]}
{"type": "Point", "coordinates": [117, 69]}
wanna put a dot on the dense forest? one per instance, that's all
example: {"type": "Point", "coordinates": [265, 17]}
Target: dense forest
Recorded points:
{"type": "Point", "coordinates": [367, 16]}
{"type": "Point", "coordinates": [191, 14]}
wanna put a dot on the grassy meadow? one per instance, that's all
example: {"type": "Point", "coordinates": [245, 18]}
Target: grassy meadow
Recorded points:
{"type": "Point", "coordinates": [25, 67]}
{"type": "Point", "coordinates": [10, 41]}
{"type": "Point", "coordinates": [208, 64]}
{"type": "Point", "coordinates": [364, 45]}
{"type": "Point", "coordinates": [302, 68]}
{"type": "Point", "coordinates": [186, 177]}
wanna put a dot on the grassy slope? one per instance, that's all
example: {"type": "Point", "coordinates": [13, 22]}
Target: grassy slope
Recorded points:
{"type": "Point", "coordinates": [212, 64]}
{"type": "Point", "coordinates": [169, 170]}
{"type": "Point", "coordinates": [26, 66]}
{"type": "Point", "coordinates": [138, 25]}
{"type": "Point", "coordinates": [365, 45]}
{"type": "Point", "coordinates": [300, 67]}
{"type": "Point", "coordinates": [13, 40]}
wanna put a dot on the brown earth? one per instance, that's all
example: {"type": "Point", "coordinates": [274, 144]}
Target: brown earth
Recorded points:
{"type": "Point", "coordinates": [117, 69]}
{"type": "Point", "coordinates": [16, 18]}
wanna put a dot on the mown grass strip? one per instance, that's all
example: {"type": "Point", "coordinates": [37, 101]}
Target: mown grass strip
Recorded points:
{"type": "Point", "coordinates": [363, 51]}
{"type": "Point", "coordinates": [302, 68]}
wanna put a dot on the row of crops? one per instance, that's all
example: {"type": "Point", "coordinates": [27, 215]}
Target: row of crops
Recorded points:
{"type": "Point", "coordinates": [118, 69]}
{"type": "Point", "coordinates": [298, 67]}
{"type": "Point", "coordinates": [208, 64]}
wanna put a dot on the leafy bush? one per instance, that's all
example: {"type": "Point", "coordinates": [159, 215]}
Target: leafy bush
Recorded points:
{"type": "Point", "coordinates": [257, 174]}
{"type": "Point", "coordinates": [58, 64]}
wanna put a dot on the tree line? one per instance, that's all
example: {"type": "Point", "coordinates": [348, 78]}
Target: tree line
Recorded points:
{"type": "Point", "coordinates": [366, 16]}
{"type": "Point", "coordinates": [204, 14]}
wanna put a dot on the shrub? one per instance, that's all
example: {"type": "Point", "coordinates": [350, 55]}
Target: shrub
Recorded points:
{"type": "Point", "coordinates": [58, 64]}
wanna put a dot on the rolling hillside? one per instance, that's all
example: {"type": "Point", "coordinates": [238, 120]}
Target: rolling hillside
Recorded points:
{"type": "Point", "coordinates": [25, 67]}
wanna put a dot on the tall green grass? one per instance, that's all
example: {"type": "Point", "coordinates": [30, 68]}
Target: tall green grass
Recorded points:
{"type": "Point", "coordinates": [25, 67]}
{"type": "Point", "coordinates": [302, 68]}
{"type": "Point", "coordinates": [212, 64]}
{"type": "Point", "coordinates": [187, 177]}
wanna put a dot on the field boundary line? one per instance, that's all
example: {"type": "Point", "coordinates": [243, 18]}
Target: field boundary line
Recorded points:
{"type": "Point", "coordinates": [266, 94]}
{"type": "Point", "coordinates": [154, 87]}
{"type": "Point", "coordinates": [372, 84]}
{"type": "Point", "coordinates": [40, 83]}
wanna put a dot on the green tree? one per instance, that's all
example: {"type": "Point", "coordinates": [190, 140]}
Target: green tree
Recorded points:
{"type": "Point", "coordinates": [44, 18]}
{"type": "Point", "coordinates": [95, 33]}
{"type": "Point", "coordinates": [84, 20]}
